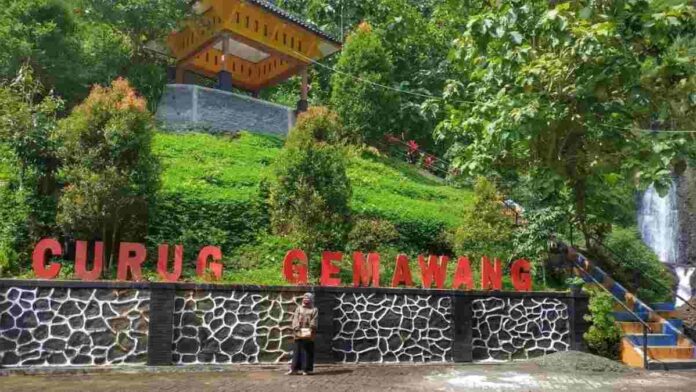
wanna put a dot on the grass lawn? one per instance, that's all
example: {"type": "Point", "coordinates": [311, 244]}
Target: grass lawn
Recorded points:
{"type": "Point", "coordinates": [230, 168]}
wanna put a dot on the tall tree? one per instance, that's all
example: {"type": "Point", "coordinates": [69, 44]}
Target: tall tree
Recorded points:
{"type": "Point", "coordinates": [566, 93]}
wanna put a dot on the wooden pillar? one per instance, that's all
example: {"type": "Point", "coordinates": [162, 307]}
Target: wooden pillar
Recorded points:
{"type": "Point", "coordinates": [224, 76]}
{"type": "Point", "coordinates": [303, 103]}
{"type": "Point", "coordinates": [179, 76]}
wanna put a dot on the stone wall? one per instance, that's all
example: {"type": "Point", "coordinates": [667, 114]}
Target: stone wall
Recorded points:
{"type": "Point", "coordinates": [686, 205]}
{"type": "Point", "coordinates": [189, 107]}
{"type": "Point", "coordinates": [73, 326]}
{"type": "Point", "coordinates": [46, 323]}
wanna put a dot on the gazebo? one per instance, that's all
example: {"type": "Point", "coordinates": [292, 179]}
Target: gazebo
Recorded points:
{"type": "Point", "coordinates": [248, 44]}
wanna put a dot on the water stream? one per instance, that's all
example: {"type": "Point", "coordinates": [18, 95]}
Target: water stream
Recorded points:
{"type": "Point", "coordinates": [659, 226]}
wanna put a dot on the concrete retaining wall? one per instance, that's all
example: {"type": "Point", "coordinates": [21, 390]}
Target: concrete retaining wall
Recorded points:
{"type": "Point", "coordinates": [186, 107]}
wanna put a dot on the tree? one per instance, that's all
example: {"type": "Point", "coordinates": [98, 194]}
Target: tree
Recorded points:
{"type": "Point", "coordinates": [28, 165]}
{"type": "Point", "coordinates": [311, 192]}
{"type": "Point", "coordinates": [42, 34]}
{"type": "Point", "coordinates": [110, 174]}
{"type": "Point", "coordinates": [366, 109]}
{"type": "Point", "coordinates": [485, 230]}
{"type": "Point", "coordinates": [566, 92]}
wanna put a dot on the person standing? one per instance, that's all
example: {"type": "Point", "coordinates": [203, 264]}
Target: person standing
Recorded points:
{"type": "Point", "coordinates": [304, 327]}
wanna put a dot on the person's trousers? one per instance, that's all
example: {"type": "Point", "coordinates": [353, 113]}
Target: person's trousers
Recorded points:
{"type": "Point", "coordinates": [303, 356]}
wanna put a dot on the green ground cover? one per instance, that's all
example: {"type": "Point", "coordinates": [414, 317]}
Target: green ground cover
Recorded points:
{"type": "Point", "coordinates": [212, 194]}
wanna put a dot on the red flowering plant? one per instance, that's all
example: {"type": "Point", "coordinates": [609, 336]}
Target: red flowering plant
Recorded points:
{"type": "Point", "coordinates": [413, 152]}
{"type": "Point", "coordinates": [429, 162]}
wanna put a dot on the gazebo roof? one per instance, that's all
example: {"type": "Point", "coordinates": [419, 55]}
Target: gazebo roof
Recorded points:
{"type": "Point", "coordinates": [257, 42]}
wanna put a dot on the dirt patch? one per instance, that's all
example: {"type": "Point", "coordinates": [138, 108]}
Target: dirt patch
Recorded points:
{"type": "Point", "coordinates": [575, 361]}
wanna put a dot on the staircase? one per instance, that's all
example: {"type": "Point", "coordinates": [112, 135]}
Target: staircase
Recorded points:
{"type": "Point", "coordinates": [667, 346]}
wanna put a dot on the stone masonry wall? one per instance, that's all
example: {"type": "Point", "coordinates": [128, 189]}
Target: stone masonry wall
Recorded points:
{"type": "Point", "coordinates": [112, 323]}
{"type": "Point", "coordinates": [190, 107]}
{"type": "Point", "coordinates": [66, 326]}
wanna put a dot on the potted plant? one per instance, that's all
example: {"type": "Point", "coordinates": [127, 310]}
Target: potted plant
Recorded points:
{"type": "Point", "coordinates": [575, 284]}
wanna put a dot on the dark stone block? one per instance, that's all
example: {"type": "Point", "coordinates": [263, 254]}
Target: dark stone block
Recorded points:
{"type": "Point", "coordinates": [96, 324]}
{"type": "Point", "coordinates": [13, 294]}
{"type": "Point", "coordinates": [24, 337]}
{"type": "Point", "coordinates": [41, 332]}
{"type": "Point", "coordinates": [44, 292]}
{"type": "Point", "coordinates": [206, 357]}
{"type": "Point", "coordinates": [127, 294]}
{"type": "Point", "coordinates": [232, 345]}
{"type": "Point", "coordinates": [7, 345]}
{"type": "Point", "coordinates": [187, 346]}
{"type": "Point", "coordinates": [223, 333]}
{"type": "Point", "coordinates": [119, 323]}
{"type": "Point", "coordinates": [231, 306]}
{"type": "Point", "coordinates": [103, 338]}
{"type": "Point", "coordinates": [77, 322]}
{"type": "Point", "coordinates": [81, 360]}
{"type": "Point", "coordinates": [230, 318]}
{"type": "Point", "coordinates": [125, 341]}
{"type": "Point", "coordinates": [243, 330]}
{"type": "Point", "coordinates": [81, 294]}
{"type": "Point", "coordinates": [9, 358]}
{"type": "Point", "coordinates": [54, 345]}
{"type": "Point", "coordinates": [57, 359]}
{"type": "Point", "coordinates": [60, 330]}
{"type": "Point", "coordinates": [107, 311]}
{"type": "Point", "coordinates": [178, 303]}
{"type": "Point", "coordinates": [11, 333]}
{"type": "Point", "coordinates": [78, 339]}
{"type": "Point", "coordinates": [188, 358]}
{"type": "Point", "coordinates": [190, 332]}
{"type": "Point", "coordinates": [191, 319]}
{"type": "Point", "coordinates": [205, 305]}
{"type": "Point", "coordinates": [45, 316]}
{"type": "Point", "coordinates": [69, 308]}
{"type": "Point", "coordinates": [16, 310]}
{"type": "Point", "coordinates": [6, 322]}
{"type": "Point", "coordinates": [99, 360]}
{"type": "Point", "coordinates": [122, 309]}
{"type": "Point", "coordinates": [116, 353]}
{"type": "Point", "coordinates": [92, 309]}
{"type": "Point", "coordinates": [42, 304]}
{"type": "Point", "coordinates": [29, 347]}
{"type": "Point", "coordinates": [105, 295]}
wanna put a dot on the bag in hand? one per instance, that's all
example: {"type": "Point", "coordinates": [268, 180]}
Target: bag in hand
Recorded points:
{"type": "Point", "coordinates": [304, 333]}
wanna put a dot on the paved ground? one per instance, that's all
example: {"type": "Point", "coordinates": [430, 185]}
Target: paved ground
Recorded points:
{"type": "Point", "coordinates": [454, 378]}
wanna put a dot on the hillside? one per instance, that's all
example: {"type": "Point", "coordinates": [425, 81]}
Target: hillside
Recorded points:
{"type": "Point", "coordinates": [210, 195]}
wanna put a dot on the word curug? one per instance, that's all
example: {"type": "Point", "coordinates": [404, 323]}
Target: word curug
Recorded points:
{"type": "Point", "coordinates": [433, 270]}
{"type": "Point", "coordinates": [131, 257]}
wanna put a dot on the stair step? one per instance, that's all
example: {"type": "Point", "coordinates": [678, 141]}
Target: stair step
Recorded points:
{"type": "Point", "coordinates": [627, 316]}
{"type": "Point", "coordinates": [663, 306]}
{"type": "Point", "coordinates": [670, 352]}
{"type": "Point", "coordinates": [672, 364]}
{"type": "Point", "coordinates": [634, 327]}
{"type": "Point", "coordinates": [659, 340]}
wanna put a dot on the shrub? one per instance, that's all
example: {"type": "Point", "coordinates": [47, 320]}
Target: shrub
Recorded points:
{"type": "Point", "coordinates": [635, 265]}
{"type": "Point", "coordinates": [369, 234]}
{"type": "Point", "coordinates": [603, 336]}
{"type": "Point", "coordinates": [110, 172]}
{"type": "Point", "coordinates": [366, 110]}
{"type": "Point", "coordinates": [486, 231]}
{"type": "Point", "coordinates": [317, 125]}
{"type": "Point", "coordinates": [310, 194]}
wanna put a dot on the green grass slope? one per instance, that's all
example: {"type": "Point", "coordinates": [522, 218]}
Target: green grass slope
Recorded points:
{"type": "Point", "coordinates": [210, 195]}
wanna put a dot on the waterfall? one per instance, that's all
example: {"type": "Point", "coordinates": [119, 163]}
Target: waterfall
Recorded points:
{"type": "Point", "coordinates": [659, 226]}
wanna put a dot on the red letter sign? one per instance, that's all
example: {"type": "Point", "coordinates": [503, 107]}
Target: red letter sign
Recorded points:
{"type": "Point", "coordinates": [520, 275]}
{"type": "Point", "coordinates": [329, 269]}
{"type": "Point", "coordinates": [295, 273]}
{"type": "Point", "coordinates": [433, 271]}
{"type": "Point", "coordinates": [462, 277]}
{"type": "Point", "coordinates": [81, 260]}
{"type": "Point", "coordinates": [41, 253]}
{"type": "Point", "coordinates": [365, 270]}
{"type": "Point", "coordinates": [163, 260]}
{"type": "Point", "coordinates": [402, 272]}
{"type": "Point", "coordinates": [491, 277]}
{"type": "Point", "coordinates": [130, 257]}
{"type": "Point", "coordinates": [216, 267]}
